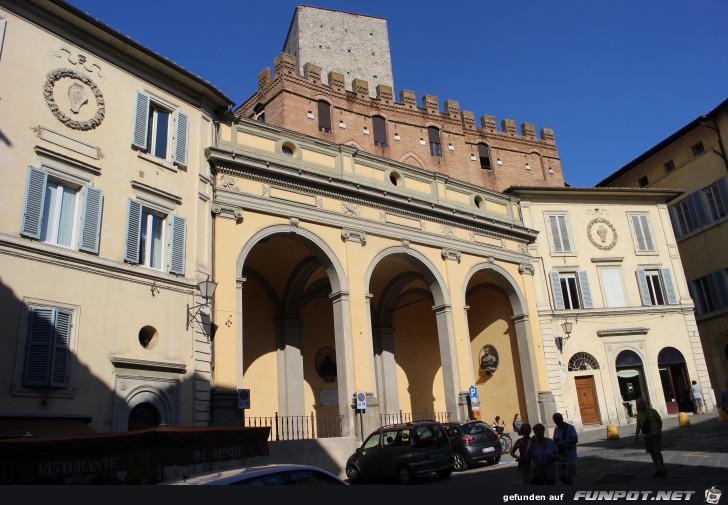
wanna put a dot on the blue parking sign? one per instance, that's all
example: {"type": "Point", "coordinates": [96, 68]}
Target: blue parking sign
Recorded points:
{"type": "Point", "coordinates": [473, 392]}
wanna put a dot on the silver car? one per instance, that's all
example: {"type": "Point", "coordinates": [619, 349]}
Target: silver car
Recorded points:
{"type": "Point", "coordinates": [268, 475]}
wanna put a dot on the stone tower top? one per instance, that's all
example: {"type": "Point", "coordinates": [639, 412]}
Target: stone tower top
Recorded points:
{"type": "Point", "coordinates": [353, 45]}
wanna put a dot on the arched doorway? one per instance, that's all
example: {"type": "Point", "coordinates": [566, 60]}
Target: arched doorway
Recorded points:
{"type": "Point", "coordinates": [674, 379]}
{"type": "Point", "coordinates": [143, 416]}
{"type": "Point", "coordinates": [585, 386]}
{"type": "Point", "coordinates": [631, 378]}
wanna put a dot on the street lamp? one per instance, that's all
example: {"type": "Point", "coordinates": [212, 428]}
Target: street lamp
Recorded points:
{"type": "Point", "coordinates": [567, 326]}
{"type": "Point", "coordinates": [207, 290]}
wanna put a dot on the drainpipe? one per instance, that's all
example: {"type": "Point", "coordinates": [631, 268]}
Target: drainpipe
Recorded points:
{"type": "Point", "coordinates": [716, 129]}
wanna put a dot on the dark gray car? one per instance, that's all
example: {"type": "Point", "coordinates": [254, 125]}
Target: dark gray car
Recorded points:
{"type": "Point", "coordinates": [403, 452]}
{"type": "Point", "coordinates": [472, 442]}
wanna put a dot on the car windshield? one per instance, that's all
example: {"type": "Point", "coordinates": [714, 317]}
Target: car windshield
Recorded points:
{"type": "Point", "coordinates": [372, 441]}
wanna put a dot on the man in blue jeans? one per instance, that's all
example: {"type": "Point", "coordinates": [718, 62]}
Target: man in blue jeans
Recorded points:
{"type": "Point", "coordinates": [566, 439]}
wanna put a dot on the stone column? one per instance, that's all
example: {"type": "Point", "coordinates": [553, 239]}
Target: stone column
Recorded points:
{"type": "Point", "coordinates": [443, 315]}
{"type": "Point", "coordinates": [344, 359]}
{"type": "Point", "coordinates": [290, 368]}
{"type": "Point", "coordinates": [528, 370]}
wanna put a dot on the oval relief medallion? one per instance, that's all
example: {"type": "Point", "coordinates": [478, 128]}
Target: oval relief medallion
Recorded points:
{"type": "Point", "coordinates": [74, 99]}
{"type": "Point", "coordinates": [602, 233]}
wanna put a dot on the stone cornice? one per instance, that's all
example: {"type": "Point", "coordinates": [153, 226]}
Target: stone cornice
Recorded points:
{"type": "Point", "coordinates": [622, 331]}
{"type": "Point", "coordinates": [140, 364]}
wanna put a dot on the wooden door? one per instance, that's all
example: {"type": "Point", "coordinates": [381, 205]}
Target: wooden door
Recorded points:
{"type": "Point", "coordinates": [586, 393]}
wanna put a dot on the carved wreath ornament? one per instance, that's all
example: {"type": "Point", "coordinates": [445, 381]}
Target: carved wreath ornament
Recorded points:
{"type": "Point", "coordinates": [77, 99]}
{"type": "Point", "coordinates": [602, 229]}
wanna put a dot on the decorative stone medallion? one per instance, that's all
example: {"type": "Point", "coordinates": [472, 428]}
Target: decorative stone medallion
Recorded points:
{"type": "Point", "coordinates": [66, 90]}
{"type": "Point", "coordinates": [602, 233]}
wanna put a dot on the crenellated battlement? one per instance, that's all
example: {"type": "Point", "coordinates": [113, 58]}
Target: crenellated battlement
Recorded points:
{"type": "Point", "coordinates": [285, 67]}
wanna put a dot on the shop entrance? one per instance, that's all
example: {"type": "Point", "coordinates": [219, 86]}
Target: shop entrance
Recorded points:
{"type": "Point", "coordinates": [674, 379]}
{"type": "Point", "coordinates": [631, 378]}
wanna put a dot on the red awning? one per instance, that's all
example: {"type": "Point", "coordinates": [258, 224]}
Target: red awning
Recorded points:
{"type": "Point", "coordinates": [14, 427]}
{"type": "Point", "coordinates": [35, 459]}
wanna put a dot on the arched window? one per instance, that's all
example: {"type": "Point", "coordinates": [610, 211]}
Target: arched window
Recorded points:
{"type": "Point", "coordinates": [324, 116]}
{"type": "Point", "coordinates": [434, 135]}
{"type": "Point", "coordinates": [144, 415]}
{"type": "Point", "coordinates": [484, 154]}
{"type": "Point", "coordinates": [380, 131]}
{"type": "Point", "coordinates": [582, 361]}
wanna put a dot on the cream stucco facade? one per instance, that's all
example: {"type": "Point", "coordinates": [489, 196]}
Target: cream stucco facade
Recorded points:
{"type": "Point", "coordinates": [620, 283]}
{"type": "Point", "coordinates": [94, 323]}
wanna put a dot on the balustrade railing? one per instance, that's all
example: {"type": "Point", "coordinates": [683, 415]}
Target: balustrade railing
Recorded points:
{"type": "Point", "coordinates": [298, 427]}
{"type": "Point", "coordinates": [407, 417]}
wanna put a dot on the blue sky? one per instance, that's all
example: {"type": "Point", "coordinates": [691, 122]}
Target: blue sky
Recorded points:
{"type": "Point", "coordinates": [612, 79]}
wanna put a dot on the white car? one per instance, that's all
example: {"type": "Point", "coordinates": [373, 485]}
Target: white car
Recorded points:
{"type": "Point", "coordinates": [268, 475]}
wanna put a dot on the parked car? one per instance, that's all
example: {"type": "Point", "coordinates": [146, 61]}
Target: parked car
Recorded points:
{"type": "Point", "coordinates": [268, 475]}
{"type": "Point", "coordinates": [472, 442]}
{"type": "Point", "coordinates": [402, 451]}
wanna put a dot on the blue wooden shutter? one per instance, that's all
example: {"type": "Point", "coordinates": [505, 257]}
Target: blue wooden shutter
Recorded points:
{"type": "Point", "coordinates": [723, 192]}
{"type": "Point", "coordinates": [177, 245]}
{"type": "Point", "coordinates": [717, 283]}
{"type": "Point", "coordinates": [697, 209]}
{"type": "Point", "coordinates": [133, 231]}
{"type": "Point", "coordinates": [586, 296]}
{"type": "Point", "coordinates": [141, 122]}
{"type": "Point", "coordinates": [34, 199]}
{"type": "Point", "coordinates": [39, 346]}
{"type": "Point", "coordinates": [669, 286]}
{"type": "Point", "coordinates": [677, 228]}
{"type": "Point", "coordinates": [61, 348]}
{"type": "Point", "coordinates": [642, 234]}
{"type": "Point", "coordinates": [556, 290]}
{"type": "Point", "coordinates": [91, 221]}
{"type": "Point", "coordinates": [644, 288]}
{"type": "Point", "coordinates": [180, 142]}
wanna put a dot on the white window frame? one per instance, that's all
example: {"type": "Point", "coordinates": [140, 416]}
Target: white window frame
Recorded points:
{"type": "Point", "coordinates": [711, 191]}
{"type": "Point", "coordinates": [552, 242]}
{"type": "Point", "coordinates": [570, 276]}
{"type": "Point", "coordinates": [648, 233]}
{"type": "Point", "coordinates": [581, 284]}
{"type": "Point", "coordinates": [51, 225]}
{"type": "Point", "coordinates": [19, 388]}
{"type": "Point", "coordinates": [146, 243]}
{"type": "Point", "coordinates": [155, 106]}
{"type": "Point", "coordinates": [144, 132]}
{"type": "Point", "coordinates": [69, 176]}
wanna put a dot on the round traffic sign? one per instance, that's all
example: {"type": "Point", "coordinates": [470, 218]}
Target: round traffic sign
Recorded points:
{"type": "Point", "coordinates": [361, 397]}
{"type": "Point", "coordinates": [244, 395]}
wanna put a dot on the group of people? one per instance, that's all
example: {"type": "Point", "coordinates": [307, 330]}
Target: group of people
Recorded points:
{"type": "Point", "coordinates": [542, 460]}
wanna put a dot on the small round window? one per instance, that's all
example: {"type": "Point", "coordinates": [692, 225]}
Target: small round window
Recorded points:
{"type": "Point", "coordinates": [148, 337]}
{"type": "Point", "coordinates": [395, 178]}
{"type": "Point", "coordinates": [288, 149]}
{"type": "Point", "coordinates": [479, 202]}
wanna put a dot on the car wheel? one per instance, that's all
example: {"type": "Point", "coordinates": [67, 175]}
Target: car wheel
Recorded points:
{"type": "Point", "coordinates": [404, 476]}
{"type": "Point", "coordinates": [458, 461]}
{"type": "Point", "coordinates": [493, 461]}
{"type": "Point", "coordinates": [444, 474]}
{"type": "Point", "coordinates": [352, 473]}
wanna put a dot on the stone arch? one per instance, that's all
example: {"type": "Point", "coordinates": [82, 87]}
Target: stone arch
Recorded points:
{"type": "Point", "coordinates": [416, 160]}
{"type": "Point", "coordinates": [354, 143]}
{"type": "Point", "coordinates": [322, 256]}
{"type": "Point", "coordinates": [384, 366]}
{"type": "Point", "coordinates": [539, 405]}
{"type": "Point", "coordinates": [162, 394]}
{"type": "Point", "coordinates": [581, 361]}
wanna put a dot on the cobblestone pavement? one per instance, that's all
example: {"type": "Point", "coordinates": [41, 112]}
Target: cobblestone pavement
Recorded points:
{"type": "Point", "coordinates": [695, 456]}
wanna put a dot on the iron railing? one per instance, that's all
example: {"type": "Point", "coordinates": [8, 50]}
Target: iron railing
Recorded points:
{"type": "Point", "coordinates": [298, 427]}
{"type": "Point", "coordinates": [407, 417]}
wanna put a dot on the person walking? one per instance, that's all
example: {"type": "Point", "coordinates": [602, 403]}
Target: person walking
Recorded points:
{"type": "Point", "coordinates": [696, 392]}
{"type": "Point", "coordinates": [650, 424]}
{"type": "Point", "coordinates": [519, 453]}
{"type": "Point", "coordinates": [566, 439]}
{"type": "Point", "coordinates": [517, 423]}
{"type": "Point", "coordinates": [542, 453]}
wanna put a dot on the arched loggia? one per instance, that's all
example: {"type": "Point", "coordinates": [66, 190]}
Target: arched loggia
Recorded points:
{"type": "Point", "coordinates": [520, 321]}
{"type": "Point", "coordinates": [321, 256]}
{"type": "Point", "coordinates": [380, 323]}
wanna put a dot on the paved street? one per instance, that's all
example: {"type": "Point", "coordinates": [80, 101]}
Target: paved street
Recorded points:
{"type": "Point", "coordinates": [695, 456]}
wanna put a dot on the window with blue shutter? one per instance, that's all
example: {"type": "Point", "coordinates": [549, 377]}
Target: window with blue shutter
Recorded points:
{"type": "Point", "coordinates": [556, 290]}
{"type": "Point", "coordinates": [47, 347]}
{"type": "Point", "coordinates": [644, 287]}
{"type": "Point", "coordinates": [181, 139]}
{"type": "Point", "coordinates": [560, 240]}
{"type": "Point", "coordinates": [133, 230]}
{"type": "Point", "coordinates": [697, 209]}
{"type": "Point", "coordinates": [91, 221]}
{"type": "Point", "coordinates": [586, 296]}
{"type": "Point", "coordinates": [642, 233]}
{"type": "Point", "coordinates": [676, 224]}
{"type": "Point", "coordinates": [670, 291]}
{"type": "Point", "coordinates": [34, 199]}
{"type": "Point", "coordinates": [141, 122]}
{"type": "Point", "coordinates": [177, 245]}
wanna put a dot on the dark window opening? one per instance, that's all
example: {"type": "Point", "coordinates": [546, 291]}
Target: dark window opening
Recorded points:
{"type": "Point", "coordinates": [380, 131]}
{"type": "Point", "coordinates": [669, 166]}
{"type": "Point", "coordinates": [698, 148]}
{"type": "Point", "coordinates": [643, 181]}
{"type": "Point", "coordinates": [434, 135]}
{"type": "Point", "coordinates": [324, 115]}
{"type": "Point", "coordinates": [484, 154]}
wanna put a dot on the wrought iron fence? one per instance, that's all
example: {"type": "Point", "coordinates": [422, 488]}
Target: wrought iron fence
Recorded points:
{"type": "Point", "coordinates": [298, 427]}
{"type": "Point", "coordinates": [406, 417]}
